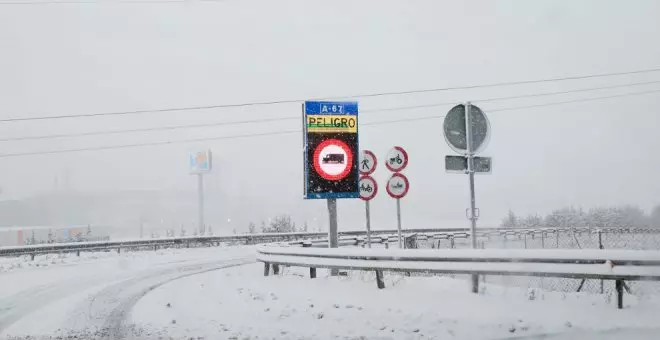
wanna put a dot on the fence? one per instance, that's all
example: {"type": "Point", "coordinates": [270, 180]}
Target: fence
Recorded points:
{"type": "Point", "coordinates": [551, 238]}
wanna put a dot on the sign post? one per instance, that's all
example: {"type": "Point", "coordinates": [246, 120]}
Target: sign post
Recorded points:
{"type": "Point", "coordinates": [397, 186]}
{"type": "Point", "coordinates": [368, 186]}
{"type": "Point", "coordinates": [331, 150]}
{"type": "Point", "coordinates": [467, 131]}
{"type": "Point", "coordinates": [368, 190]}
{"type": "Point", "coordinates": [200, 164]}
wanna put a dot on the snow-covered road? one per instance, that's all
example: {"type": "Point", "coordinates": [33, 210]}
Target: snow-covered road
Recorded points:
{"type": "Point", "coordinates": [92, 298]}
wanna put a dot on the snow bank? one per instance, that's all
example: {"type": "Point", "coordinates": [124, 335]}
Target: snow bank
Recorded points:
{"type": "Point", "coordinates": [240, 303]}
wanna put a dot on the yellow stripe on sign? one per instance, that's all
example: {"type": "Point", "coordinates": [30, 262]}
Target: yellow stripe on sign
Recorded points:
{"type": "Point", "coordinates": [331, 123]}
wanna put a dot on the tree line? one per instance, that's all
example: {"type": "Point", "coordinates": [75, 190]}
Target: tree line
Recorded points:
{"type": "Point", "coordinates": [279, 224]}
{"type": "Point", "coordinates": [626, 216]}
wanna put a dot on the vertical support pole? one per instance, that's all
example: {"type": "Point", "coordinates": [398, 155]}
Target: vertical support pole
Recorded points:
{"type": "Point", "coordinates": [619, 293]}
{"type": "Point", "coordinates": [266, 268]}
{"type": "Point", "coordinates": [542, 239]}
{"type": "Point", "coordinates": [333, 233]}
{"type": "Point", "coordinates": [470, 159]}
{"type": "Point", "coordinates": [398, 222]}
{"type": "Point", "coordinates": [600, 246]}
{"type": "Point", "coordinates": [276, 269]}
{"type": "Point", "coordinates": [368, 213]}
{"type": "Point", "coordinates": [200, 194]}
{"type": "Point", "coordinates": [380, 283]}
{"type": "Point", "coordinates": [525, 240]}
{"type": "Point", "coordinates": [118, 250]}
{"type": "Point", "coordinates": [557, 236]}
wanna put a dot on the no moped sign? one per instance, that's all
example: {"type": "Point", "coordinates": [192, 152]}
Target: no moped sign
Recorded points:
{"type": "Point", "coordinates": [396, 159]}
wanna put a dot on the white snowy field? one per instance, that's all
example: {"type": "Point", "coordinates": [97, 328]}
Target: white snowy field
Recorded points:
{"type": "Point", "coordinates": [240, 303]}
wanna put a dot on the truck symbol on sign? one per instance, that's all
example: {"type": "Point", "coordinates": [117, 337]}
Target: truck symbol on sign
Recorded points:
{"type": "Point", "coordinates": [333, 158]}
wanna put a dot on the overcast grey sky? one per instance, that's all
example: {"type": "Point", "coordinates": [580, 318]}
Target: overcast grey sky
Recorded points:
{"type": "Point", "coordinates": [88, 58]}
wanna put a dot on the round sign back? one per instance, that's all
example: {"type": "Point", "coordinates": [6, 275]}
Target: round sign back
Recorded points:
{"type": "Point", "coordinates": [333, 159]}
{"type": "Point", "coordinates": [396, 159]}
{"type": "Point", "coordinates": [368, 188]}
{"type": "Point", "coordinates": [368, 162]}
{"type": "Point", "coordinates": [397, 185]}
{"type": "Point", "coordinates": [455, 133]}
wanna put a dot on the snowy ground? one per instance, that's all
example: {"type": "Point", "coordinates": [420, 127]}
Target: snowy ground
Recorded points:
{"type": "Point", "coordinates": [90, 296]}
{"type": "Point", "coordinates": [239, 303]}
{"type": "Point", "coordinates": [220, 293]}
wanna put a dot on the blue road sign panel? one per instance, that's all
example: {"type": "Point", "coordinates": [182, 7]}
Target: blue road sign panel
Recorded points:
{"type": "Point", "coordinates": [331, 150]}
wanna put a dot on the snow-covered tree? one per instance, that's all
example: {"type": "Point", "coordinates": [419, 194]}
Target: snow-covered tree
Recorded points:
{"type": "Point", "coordinates": [510, 221]}
{"type": "Point", "coordinates": [305, 227]}
{"type": "Point", "coordinates": [530, 222]}
{"type": "Point", "coordinates": [281, 224]}
{"type": "Point", "coordinates": [252, 228]}
{"type": "Point", "coordinates": [655, 217]}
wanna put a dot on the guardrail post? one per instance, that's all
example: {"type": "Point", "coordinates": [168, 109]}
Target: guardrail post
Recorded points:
{"type": "Point", "coordinates": [312, 271]}
{"type": "Point", "coordinates": [118, 250]}
{"type": "Point", "coordinates": [155, 247]}
{"type": "Point", "coordinates": [379, 279]}
{"type": "Point", "coordinates": [451, 242]}
{"type": "Point", "coordinates": [266, 268]}
{"type": "Point", "coordinates": [78, 253]}
{"type": "Point", "coordinates": [276, 269]}
{"type": "Point", "coordinates": [32, 255]}
{"type": "Point", "coordinates": [619, 293]}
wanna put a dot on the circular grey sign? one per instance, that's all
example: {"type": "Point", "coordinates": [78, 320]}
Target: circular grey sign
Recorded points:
{"type": "Point", "coordinates": [454, 129]}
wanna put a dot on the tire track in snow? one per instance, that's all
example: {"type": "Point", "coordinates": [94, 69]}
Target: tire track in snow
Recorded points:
{"type": "Point", "coordinates": [107, 311]}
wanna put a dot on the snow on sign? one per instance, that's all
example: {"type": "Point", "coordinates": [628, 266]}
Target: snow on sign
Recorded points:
{"type": "Point", "coordinates": [396, 159]}
{"type": "Point", "coordinates": [331, 150]}
{"type": "Point", "coordinates": [397, 186]}
{"type": "Point", "coordinates": [368, 162]}
{"type": "Point", "coordinates": [368, 188]}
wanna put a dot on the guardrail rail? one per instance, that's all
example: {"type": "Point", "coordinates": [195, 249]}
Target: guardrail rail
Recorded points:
{"type": "Point", "coordinates": [616, 265]}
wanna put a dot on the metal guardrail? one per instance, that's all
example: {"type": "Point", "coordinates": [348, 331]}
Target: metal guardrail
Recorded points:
{"type": "Point", "coordinates": [150, 243]}
{"type": "Point", "coordinates": [616, 265]}
{"type": "Point", "coordinates": [347, 237]}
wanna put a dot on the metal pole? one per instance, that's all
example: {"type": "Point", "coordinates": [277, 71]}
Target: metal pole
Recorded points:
{"type": "Point", "coordinates": [398, 221]}
{"type": "Point", "coordinates": [368, 212]}
{"type": "Point", "coordinates": [200, 193]}
{"type": "Point", "coordinates": [470, 158]}
{"type": "Point", "coordinates": [332, 232]}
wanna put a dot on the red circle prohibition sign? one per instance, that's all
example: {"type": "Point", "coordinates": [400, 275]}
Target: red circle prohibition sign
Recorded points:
{"type": "Point", "coordinates": [405, 181]}
{"type": "Point", "coordinates": [348, 162]}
